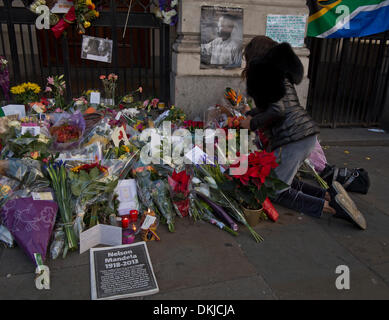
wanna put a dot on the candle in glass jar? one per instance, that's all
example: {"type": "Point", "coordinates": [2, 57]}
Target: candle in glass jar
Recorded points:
{"type": "Point", "coordinates": [125, 222]}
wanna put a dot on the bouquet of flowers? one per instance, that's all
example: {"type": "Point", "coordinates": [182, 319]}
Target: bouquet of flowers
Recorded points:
{"type": "Point", "coordinates": [167, 11]}
{"type": "Point", "coordinates": [179, 190]}
{"type": "Point", "coordinates": [82, 13]}
{"type": "Point", "coordinates": [56, 87]}
{"type": "Point", "coordinates": [4, 77]}
{"type": "Point", "coordinates": [91, 185]}
{"type": "Point", "coordinates": [193, 125]}
{"type": "Point", "coordinates": [150, 104]}
{"type": "Point", "coordinates": [68, 131]}
{"type": "Point", "coordinates": [26, 92]}
{"type": "Point", "coordinates": [222, 195]}
{"type": "Point", "coordinates": [162, 202]}
{"type": "Point", "coordinates": [232, 97]}
{"type": "Point", "coordinates": [258, 181]}
{"type": "Point", "coordinates": [175, 114]}
{"type": "Point", "coordinates": [110, 84]}
{"type": "Point", "coordinates": [62, 189]}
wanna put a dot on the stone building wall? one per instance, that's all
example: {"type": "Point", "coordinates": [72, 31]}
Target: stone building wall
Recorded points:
{"type": "Point", "coordinates": [195, 89]}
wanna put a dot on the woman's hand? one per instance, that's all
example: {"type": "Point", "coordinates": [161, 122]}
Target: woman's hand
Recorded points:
{"type": "Point", "coordinates": [245, 124]}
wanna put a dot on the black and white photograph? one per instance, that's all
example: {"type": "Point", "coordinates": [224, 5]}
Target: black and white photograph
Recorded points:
{"type": "Point", "coordinates": [97, 49]}
{"type": "Point", "coordinates": [221, 31]}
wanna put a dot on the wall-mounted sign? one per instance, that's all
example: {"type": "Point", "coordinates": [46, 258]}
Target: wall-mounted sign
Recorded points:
{"type": "Point", "coordinates": [287, 28]}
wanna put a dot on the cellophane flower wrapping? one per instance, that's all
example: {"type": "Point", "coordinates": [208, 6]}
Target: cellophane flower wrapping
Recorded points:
{"type": "Point", "coordinates": [91, 184]}
{"type": "Point", "coordinates": [64, 23]}
{"type": "Point", "coordinates": [72, 130]}
{"type": "Point", "coordinates": [317, 158]}
{"type": "Point", "coordinates": [162, 201]}
{"type": "Point", "coordinates": [179, 190]}
{"type": "Point", "coordinates": [31, 223]}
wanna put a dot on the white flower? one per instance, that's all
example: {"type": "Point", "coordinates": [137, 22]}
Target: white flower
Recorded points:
{"type": "Point", "coordinates": [131, 112]}
{"type": "Point", "coordinates": [15, 124]}
{"type": "Point", "coordinates": [169, 14]}
{"type": "Point", "coordinates": [43, 139]}
{"type": "Point", "coordinates": [196, 180]}
{"type": "Point", "coordinates": [174, 3]}
{"type": "Point", "coordinates": [211, 182]}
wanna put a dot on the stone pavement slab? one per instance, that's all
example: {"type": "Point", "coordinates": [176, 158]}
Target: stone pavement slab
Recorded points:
{"type": "Point", "coordinates": [250, 288]}
{"type": "Point", "coordinates": [298, 261]}
{"type": "Point", "coordinates": [353, 137]}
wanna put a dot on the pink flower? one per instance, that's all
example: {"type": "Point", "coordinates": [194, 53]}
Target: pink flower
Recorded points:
{"type": "Point", "coordinates": [58, 110]}
{"type": "Point", "coordinates": [45, 160]}
{"type": "Point", "coordinates": [154, 102]}
{"type": "Point", "coordinates": [140, 89]}
{"type": "Point", "coordinates": [102, 77]}
{"type": "Point", "coordinates": [48, 89]}
{"type": "Point", "coordinates": [50, 80]}
{"type": "Point", "coordinates": [146, 103]}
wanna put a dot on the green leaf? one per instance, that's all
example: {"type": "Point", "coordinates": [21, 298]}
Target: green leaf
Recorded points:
{"type": "Point", "coordinates": [94, 173]}
{"type": "Point", "coordinates": [84, 176]}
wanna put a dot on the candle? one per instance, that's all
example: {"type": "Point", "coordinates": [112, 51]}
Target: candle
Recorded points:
{"type": "Point", "coordinates": [128, 237]}
{"type": "Point", "coordinates": [133, 215]}
{"type": "Point", "coordinates": [125, 222]}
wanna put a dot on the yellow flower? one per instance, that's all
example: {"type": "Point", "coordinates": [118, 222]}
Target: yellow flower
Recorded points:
{"type": "Point", "coordinates": [34, 155]}
{"type": "Point", "coordinates": [76, 169]}
{"type": "Point", "coordinates": [125, 148]}
{"type": "Point", "coordinates": [96, 13]}
{"type": "Point", "coordinates": [88, 2]}
{"type": "Point", "coordinates": [5, 189]}
{"type": "Point", "coordinates": [86, 24]}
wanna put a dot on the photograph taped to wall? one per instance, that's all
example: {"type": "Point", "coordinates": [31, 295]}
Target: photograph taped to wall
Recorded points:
{"type": "Point", "coordinates": [97, 49]}
{"type": "Point", "coordinates": [221, 31]}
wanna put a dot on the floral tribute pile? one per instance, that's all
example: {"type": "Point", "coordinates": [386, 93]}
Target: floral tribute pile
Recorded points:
{"type": "Point", "coordinates": [85, 162]}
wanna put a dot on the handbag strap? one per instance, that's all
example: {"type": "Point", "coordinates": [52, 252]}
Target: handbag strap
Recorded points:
{"type": "Point", "coordinates": [354, 175]}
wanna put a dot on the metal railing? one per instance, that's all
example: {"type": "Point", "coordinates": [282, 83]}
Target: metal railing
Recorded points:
{"type": "Point", "coordinates": [349, 79]}
{"type": "Point", "coordinates": [142, 58]}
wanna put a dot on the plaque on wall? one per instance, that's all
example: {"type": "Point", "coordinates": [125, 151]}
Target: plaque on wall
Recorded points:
{"type": "Point", "coordinates": [122, 272]}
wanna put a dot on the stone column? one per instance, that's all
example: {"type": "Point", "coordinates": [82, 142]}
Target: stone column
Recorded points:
{"type": "Point", "coordinates": [195, 89]}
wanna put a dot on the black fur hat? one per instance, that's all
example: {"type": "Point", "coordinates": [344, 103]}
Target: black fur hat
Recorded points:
{"type": "Point", "coordinates": [266, 75]}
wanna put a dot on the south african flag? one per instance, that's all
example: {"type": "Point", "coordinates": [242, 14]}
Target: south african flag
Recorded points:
{"type": "Point", "coordinates": [347, 18]}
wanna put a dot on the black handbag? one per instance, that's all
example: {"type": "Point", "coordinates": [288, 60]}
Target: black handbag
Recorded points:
{"type": "Point", "coordinates": [353, 180]}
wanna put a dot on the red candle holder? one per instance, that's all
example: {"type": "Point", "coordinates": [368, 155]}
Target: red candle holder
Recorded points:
{"type": "Point", "coordinates": [125, 222]}
{"type": "Point", "coordinates": [133, 215]}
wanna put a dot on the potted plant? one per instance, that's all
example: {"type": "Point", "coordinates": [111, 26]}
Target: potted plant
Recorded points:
{"type": "Point", "coordinates": [254, 183]}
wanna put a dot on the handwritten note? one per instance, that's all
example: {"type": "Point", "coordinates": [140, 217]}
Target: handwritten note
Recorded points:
{"type": "Point", "coordinates": [287, 28]}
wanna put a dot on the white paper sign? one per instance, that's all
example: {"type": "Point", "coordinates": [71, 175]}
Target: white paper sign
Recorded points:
{"type": "Point", "coordinates": [94, 98]}
{"type": "Point", "coordinates": [12, 109]}
{"type": "Point", "coordinates": [33, 130]}
{"type": "Point", "coordinates": [287, 28]}
{"type": "Point", "coordinates": [126, 190]}
{"type": "Point", "coordinates": [42, 196]}
{"type": "Point", "coordinates": [149, 220]}
{"type": "Point", "coordinates": [100, 234]}
{"type": "Point", "coordinates": [62, 6]}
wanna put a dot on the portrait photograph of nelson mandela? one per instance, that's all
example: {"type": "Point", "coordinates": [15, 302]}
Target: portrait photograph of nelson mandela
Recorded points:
{"type": "Point", "coordinates": [221, 31]}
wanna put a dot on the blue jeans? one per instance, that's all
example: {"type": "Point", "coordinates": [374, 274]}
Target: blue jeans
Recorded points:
{"type": "Point", "coordinates": [299, 196]}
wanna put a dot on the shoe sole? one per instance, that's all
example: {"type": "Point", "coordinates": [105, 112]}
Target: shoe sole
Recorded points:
{"type": "Point", "coordinates": [341, 190]}
{"type": "Point", "coordinates": [351, 209]}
